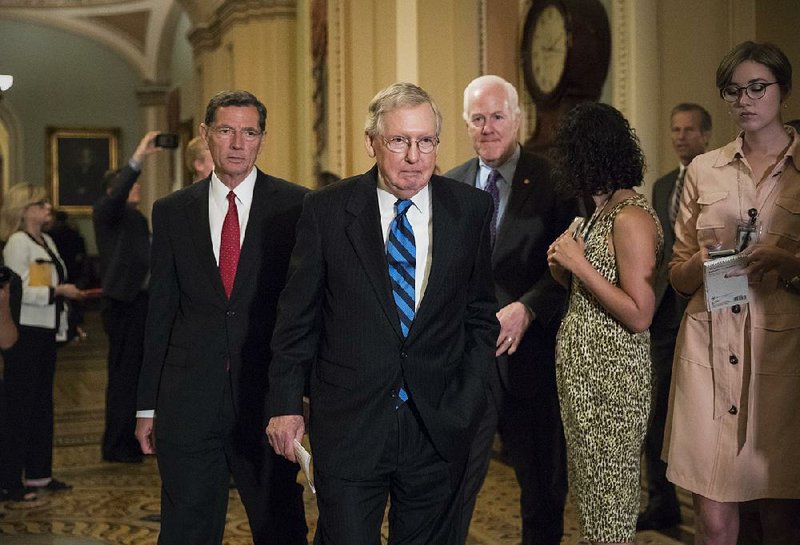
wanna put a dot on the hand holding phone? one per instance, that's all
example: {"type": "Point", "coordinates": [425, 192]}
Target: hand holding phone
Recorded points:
{"type": "Point", "coordinates": [167, 140]}
{"type": "Point", "coordinates": [713, 254]}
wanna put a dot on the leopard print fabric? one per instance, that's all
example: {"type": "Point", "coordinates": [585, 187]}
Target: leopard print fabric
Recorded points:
{"type": "Point", "coordinates": [605, 387]}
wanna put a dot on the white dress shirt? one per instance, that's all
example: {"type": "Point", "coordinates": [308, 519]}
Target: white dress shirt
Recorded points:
{"type": "Point", "coordinates": [218, 207]}
{"type": "Point", "coordinates": [419, 216]}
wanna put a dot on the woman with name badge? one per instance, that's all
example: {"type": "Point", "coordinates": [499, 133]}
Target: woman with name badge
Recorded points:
{"type": "Point", "coordinates": [732, 432]}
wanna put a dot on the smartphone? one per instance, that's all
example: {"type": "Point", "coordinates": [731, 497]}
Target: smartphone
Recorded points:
{"type": "Point", "coordinates": [166, 140]}
{"type": "Point", "coordinates": [713, 254]}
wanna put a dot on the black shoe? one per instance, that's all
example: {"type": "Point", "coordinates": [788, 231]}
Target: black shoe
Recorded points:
{"type": "Point", "coordinates": [125, 459]}
{"type": "Point", "coordinates": [661, 519]}
{"type": "Point", "coordinates": [54, 486]}
{"type": "Point", "coordinates": [26, 493]}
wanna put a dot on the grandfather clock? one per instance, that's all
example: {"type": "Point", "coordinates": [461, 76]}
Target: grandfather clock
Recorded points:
{"type": "Point", "coordinates": [566, 48]}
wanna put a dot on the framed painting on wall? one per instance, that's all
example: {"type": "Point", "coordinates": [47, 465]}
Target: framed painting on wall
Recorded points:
{"type": "Point", "coordinates": [78, 160]}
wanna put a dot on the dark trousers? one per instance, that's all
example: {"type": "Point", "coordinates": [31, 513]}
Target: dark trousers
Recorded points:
{"type": "Point", "coordinates": [124, 324]}
{"type": "Point", "coordinates": [195, 479]}
{"type": "Point", "coordinates": [661, 492]}
{"type": "Point", "coordinates": [532, 433]}
{"type": "Point", "coordinates": [424, 491]}
{"type": "Point", "coordinates": [29, 371]}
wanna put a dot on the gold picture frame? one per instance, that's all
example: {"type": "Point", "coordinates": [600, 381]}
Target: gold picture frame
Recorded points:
{"type": "Point", "coordinates": [78, 159]}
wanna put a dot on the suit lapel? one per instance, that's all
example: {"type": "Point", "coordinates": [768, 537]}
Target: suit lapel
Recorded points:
{"type": "Point", "coordinates": [444, 210]}
{"type": "Point", "coordinates": [197, 219]}
{"type": "Point", "coordinates": [364, 233]}
{"type": "Point", "coordinates": [521, 188]}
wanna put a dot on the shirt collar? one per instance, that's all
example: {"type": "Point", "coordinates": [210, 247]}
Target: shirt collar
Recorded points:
{"type": "Point", "coordinates": [733, 150]}
{"type": "Point", "coordinates": [386, 199]}
{"type": "Point", "coordinates": [243, 191]}
{"type": "Point", "coordinates": [506, 170]}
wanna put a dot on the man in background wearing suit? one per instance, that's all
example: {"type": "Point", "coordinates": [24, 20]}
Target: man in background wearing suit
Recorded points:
{"type": "Point", "coordinates": [521, 390]}
{"type": "Point", "coordinates": [123, 245]}
{"type": "Point", "coordinates": [690, 127]}
{"type": "Point", "coordinates": [389, 302]}
{"type": "Point", "coordinates": [220, 254]}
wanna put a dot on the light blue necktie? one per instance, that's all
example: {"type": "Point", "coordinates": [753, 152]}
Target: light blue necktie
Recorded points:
{"type": "Point", "coordinates": [401, 255]}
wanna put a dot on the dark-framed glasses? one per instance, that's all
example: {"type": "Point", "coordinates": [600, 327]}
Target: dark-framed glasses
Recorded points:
{"type": "Point", "coordinates": [226, 133]}
{"type": "Point", "coordinates": [401, 144]}
{"type": "Point", "coordinates": [755, 90]}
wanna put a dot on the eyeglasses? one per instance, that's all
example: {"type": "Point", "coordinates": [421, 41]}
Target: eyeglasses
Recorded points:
{"type": "Point", "coordinates": [756, 90]}
{"type": "Point", "coordinates": [226, 133]}
{"type": "Point", "coordinates": [41, 203]}
{"type": "Point", "coordinates": [401, 144]}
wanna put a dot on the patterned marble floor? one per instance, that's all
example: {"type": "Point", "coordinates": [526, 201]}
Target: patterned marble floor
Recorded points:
{"type": "Point", "coordinates": [116, 503]}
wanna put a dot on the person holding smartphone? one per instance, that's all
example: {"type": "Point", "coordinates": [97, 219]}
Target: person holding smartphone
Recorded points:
{"type": "Point", "coordinates": [123, 244]}
{"type": "Point", "coordinates": [731, 435]}
{"type": "Point", "coordinates": [603, 367]}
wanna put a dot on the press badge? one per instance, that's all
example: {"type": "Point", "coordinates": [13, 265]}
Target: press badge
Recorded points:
{"type": "Point", "coordinates": [748, 232]}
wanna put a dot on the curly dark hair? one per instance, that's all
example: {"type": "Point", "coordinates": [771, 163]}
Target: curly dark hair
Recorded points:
{"type": "Point", "coordinates": [595, 152]}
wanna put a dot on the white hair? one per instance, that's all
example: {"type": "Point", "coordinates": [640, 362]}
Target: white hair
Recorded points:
{"type": "Point", "coordinates": [512, 98]}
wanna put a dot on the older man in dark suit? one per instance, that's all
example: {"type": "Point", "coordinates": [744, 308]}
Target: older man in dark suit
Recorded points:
{"type": "Point", "coordinates": [389, 301]}
{"type": "Point", "coordinates": [690, 128]}
{"type": "Point", "coordinates": [521, 390]}
{"type": "Point", "coordinates": [220, 254]}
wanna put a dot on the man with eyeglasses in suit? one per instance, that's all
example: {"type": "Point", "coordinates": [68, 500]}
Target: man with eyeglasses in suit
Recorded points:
{"type": "Point", "coordinates": [220, 254]}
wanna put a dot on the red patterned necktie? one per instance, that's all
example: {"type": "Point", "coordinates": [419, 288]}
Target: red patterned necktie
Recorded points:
{"type": "Point", "coordinates": [229, 245]}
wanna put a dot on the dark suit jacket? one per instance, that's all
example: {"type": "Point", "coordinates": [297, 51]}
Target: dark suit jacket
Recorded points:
{"type": "Point", "coordinates": [123, 240]}
{"type": "Point", "coordinates": [669, 305]}
{"type": "Point", "coordinates": [337, 316]}
{"type": "Point", "coordinates": [534, 217]}
{"type": "Point", "coordinates": [193, 330]}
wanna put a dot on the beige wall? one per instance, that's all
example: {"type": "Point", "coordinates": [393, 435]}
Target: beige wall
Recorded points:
{"type": "Point", "coordinates": [778, 21]}
{"type": "Point", "coordinates": [663, 53]}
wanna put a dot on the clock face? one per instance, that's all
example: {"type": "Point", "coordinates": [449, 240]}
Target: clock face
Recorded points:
{"type": "Point", "coordinates": [549, 49]}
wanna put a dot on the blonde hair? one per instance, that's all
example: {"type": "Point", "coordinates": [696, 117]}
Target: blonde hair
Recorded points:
{"type": "Point", "coordinates": [194, 150]}
{"type": "Point", "coordinates": [16, 200]}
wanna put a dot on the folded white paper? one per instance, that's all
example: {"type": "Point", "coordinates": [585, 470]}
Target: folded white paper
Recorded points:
{"type": "Point", "coordinates": [304, 459]}
{"type": "Point", "coordinates": [720, 290]}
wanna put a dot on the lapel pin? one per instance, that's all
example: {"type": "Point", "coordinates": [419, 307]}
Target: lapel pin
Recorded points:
{"type": "Point", "coordinates": [526, 181]}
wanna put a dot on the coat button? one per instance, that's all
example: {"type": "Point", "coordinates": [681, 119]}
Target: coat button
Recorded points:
{"type": "Point", "coordinates": [733, 409]}
{"type": "Point", "coordinates": [734, 360]}
{"type": "Point", "coordinates": [403, 355]}
{"type": "Point", "coordinates": [230, 314]}
{"type": "Point", "coordinates": [736, 309]}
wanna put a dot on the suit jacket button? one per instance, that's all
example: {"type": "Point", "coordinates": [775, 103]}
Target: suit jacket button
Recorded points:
{"type": "Point", "coordinates": [736, 309]}
{"type": "Point", "coordinates": [403, 355]}
{"type": "Point", "coordinates": [734, 360]}
{"type": "Point", "coordinates": [230, 314]}
{"type": "Point", "coordinates": [733, 409]}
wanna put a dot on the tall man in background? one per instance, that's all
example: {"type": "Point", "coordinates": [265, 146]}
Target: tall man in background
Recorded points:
{"type": "Point", "coordinates": [389, 301]}
{"type": "Point", "coordinates": [690, 127]}
{"type": "Point", "coordinates": [220, 254]}
{"type": "Point", "coordinates": [123, 245]}
{"type": "Point", "coordinates": [521, 390]}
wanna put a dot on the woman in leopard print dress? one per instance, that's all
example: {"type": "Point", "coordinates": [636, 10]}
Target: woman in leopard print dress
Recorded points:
{"type": "Point", "coordinates": [603, 346]}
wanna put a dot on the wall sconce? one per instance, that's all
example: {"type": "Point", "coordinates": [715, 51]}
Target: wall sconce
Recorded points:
{"type": "Point", "coordinates": [6, 82]}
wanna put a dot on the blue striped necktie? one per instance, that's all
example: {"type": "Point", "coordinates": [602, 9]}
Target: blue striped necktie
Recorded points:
{"type": "Point", "coordinates": [401, 255]}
